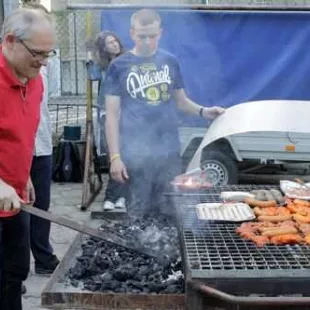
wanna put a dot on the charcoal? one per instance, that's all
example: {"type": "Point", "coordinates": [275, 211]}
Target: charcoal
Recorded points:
{"type": "Point", "coordinates": [77, 272]}
{"type": "Point", "coordinates": [125, 272]}
{"type": "Point", "coordinates": [112, 269]}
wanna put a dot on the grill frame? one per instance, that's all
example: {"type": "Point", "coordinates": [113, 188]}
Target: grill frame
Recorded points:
{"type": "Point", "coordinates": [289, 279]}
{"type": "Point", "coordinates": [54, 296]}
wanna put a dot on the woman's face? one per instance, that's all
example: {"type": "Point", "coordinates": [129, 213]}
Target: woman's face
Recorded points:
{"type": "Point", "coordinates": [112, 46]}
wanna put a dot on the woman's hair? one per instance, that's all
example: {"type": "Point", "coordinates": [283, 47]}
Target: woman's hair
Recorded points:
{"type": "Point", "coordinates": [101, 56]}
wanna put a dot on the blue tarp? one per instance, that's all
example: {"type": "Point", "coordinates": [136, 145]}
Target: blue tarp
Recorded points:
{"type": "Point", "coordinates": [232, 57]}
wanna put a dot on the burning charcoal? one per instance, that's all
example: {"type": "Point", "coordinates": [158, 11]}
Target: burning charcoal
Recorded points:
{"type": "Point", "coordinates": [112, 285]}
{"type": "Point", "coordinates": [172, 289]}
{"type": "Point", "coordinates": [156, 287]}
{"type": "Point", "coordinates": [108, 268]}
{"type": "Point", "coordinates": [106, 277]}
{"type": "Point", "coordinates": [143, 270]}
{"type": "Point", "coordinates": [103, 261]}
{"type": "Point", "coordinates": [74, 283]}
{"type": "Point", "coordinates": [77, 272]}
{"type": "Point", "coordinates": [125, 272]}
{"type": "Point", "coordinates": [92, 285]}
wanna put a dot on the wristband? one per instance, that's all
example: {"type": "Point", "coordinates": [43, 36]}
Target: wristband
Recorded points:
{"type": "Point", "coordinates": [201, 111]}
{"type": "Point", "coordinates": [114, 157]}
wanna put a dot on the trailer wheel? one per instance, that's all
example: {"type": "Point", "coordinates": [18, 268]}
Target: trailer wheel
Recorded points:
{"type": "Point", "coordinates": [220, 169]}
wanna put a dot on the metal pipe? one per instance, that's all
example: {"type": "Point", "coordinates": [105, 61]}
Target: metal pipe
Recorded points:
{"type": "Point", "coordinates": [247, 301]}
{"type": "Point", "coordinates": [75, 55]}
{"type": "Point", "coordinates": [221, 7]}
{"type": "Point", "coordinates": [94, 105]}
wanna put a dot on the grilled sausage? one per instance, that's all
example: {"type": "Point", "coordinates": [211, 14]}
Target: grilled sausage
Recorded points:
{"type": "Point", "coordinates": [274, 218]}
{"type": "Point", "coordinates": [286, 239]}
{"type": "Point", "coordinates": [301, 218]}
{"type": "Point", "coordinates": [261, 204]}
{"type": "Point", "coordinates": [279, 231]}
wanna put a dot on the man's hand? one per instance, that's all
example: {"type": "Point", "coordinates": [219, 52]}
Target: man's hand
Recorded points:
{"type": "Point", "coordinates": [8, 197]}
{"type": "Point", "coordinates": [213, 112]}
{"type": "Point", "coordinates": [30, 193]}
{"type": "Point", "coordinates": [118, 171]}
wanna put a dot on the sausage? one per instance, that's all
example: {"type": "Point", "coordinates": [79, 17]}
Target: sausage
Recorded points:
{"type": "Point", "coordinates": [274, 218]}
{"type": "Point", "coordinates": [258, 211]}
{"type": "Point", "coordinates": [286, 239]}
{"type": "Point", "coordinates": [262, 204]}
{"type": "Point", "coordinates": [303, 203]}
{"type": "Point", "coordinates": [301, 218]}
{"type": "Point", "coordinates": [279, 231]}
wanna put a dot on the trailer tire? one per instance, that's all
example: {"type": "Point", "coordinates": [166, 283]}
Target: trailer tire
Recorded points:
{"type": "Point", "coordinates": [220, 168]}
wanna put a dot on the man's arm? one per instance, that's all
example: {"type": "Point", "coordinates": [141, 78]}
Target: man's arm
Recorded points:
{"type": "Point", "coordinates": [184, 103]}
{"type": "Point", "coordinates": [190, 107]}
{"type": "Point", "coordinates": [117, 169]}
{"type": "Point", "coordinates": [112, 104]}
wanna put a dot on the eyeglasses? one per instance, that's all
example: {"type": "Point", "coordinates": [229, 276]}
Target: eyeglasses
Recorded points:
{"type": "Point", "coordinates": [37, 54]}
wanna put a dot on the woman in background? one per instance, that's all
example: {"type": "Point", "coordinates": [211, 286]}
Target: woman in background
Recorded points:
{"type": "Point", "coordinates": [107, 46]}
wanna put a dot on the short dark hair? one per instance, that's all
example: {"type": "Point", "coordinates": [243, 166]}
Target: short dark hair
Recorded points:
{"type": "Point", "coordinates": [145, 17]}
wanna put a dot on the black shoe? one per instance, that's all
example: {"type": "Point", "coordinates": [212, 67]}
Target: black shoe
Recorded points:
{"type": "Point", "coordinates": [47, 269]}
{"type": "Point", "coordinates": [24, 289]}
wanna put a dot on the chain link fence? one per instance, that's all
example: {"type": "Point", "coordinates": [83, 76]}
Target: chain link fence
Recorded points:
{"type": "Point", "coordinates": [68, 85]}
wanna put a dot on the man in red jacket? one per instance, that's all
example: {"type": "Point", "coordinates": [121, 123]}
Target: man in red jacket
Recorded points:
{"type": "Point", "coordinates": [27, 42]}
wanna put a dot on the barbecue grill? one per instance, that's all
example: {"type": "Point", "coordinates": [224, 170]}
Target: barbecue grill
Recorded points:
{"type": "Point", "coordinates": [224, 270]}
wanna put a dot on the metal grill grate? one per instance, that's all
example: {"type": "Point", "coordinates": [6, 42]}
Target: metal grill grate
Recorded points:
{"type": "Point", "coordinates": [213, 249]}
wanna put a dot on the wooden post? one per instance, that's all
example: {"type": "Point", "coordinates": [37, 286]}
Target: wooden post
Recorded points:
{"type": "Point", "coordinates": [92, 182]}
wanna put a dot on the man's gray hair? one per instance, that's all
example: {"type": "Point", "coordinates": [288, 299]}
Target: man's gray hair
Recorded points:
{"type": "Point", "coordinates": [21, 22]}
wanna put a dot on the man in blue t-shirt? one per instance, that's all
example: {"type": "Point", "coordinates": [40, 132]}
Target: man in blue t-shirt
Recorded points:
{"type": "Point", "coordinates": [143, 89]}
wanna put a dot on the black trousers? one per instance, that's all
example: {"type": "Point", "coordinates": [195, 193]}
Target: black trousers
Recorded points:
{"type": "Point", "coordinates": [15, 259]}
{"type": "Point", "coordinates": [149, 178]}
{"type": "Point", "coordinates": [41, 176]}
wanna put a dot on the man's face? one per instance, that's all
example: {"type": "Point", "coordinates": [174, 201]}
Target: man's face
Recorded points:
{"type": "Point", "coordinates": [27, 56]}
{"type": "Point", "coordinates": [146, 38]}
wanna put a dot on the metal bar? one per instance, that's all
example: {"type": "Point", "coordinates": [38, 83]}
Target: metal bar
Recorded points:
{"type": "Point", "coordinates": [206, 7]}
{"type": "Point", "coordinates": [248, 301]}
{"type": "Point", "coordinates": [254, 168]}
{"type": "Point", "coordinates": [94, 105]}
{"type": "Point", "coordinates": [75, 55]}
{"type": "Point", "coordinates": [57, 118]}
{"type": "Point", "coordinates": [109, 237]}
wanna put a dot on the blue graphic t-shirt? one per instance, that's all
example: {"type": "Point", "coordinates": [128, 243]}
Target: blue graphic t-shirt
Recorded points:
{"type": "Point", "coordinates": [148, 121]}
